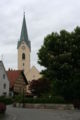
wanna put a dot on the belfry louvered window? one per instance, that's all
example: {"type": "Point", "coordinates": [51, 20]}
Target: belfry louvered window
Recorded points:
{"type": "Point", "coordinates": [23, 56]}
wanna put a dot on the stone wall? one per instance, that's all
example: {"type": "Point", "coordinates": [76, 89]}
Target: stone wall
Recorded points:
{"type": "Point", "coordinates": [46, 106]}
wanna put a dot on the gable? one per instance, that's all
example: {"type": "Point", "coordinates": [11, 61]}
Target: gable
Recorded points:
{"type": "Point", "coordinates": [20, 85]}
{"type": "Point", "coordinates": [20, 81]}
{"type": "Point", "coordinates": [14, 75]}
{"type": "Point", "coordinates": [33, 74]}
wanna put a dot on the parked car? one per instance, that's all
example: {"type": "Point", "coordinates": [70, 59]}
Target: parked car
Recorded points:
{"type": "Point", "coordinates": [2, 108]}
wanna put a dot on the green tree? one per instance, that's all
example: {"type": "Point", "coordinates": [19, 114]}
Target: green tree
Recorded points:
{"type": "Point", "coordinates": [60, 55]}
{"type": "Point", "coordinates": [39, 87]}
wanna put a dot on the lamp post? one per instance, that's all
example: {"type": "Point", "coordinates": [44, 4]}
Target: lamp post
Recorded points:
{"type": "Point", "coordinates": [23, 96]}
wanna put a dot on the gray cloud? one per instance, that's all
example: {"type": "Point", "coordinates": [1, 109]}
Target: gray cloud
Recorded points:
{"type": "Point", "coordinates": [42, 17]}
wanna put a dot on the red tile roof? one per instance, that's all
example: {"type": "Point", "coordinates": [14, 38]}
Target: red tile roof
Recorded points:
{"type": "Point", "coordinates": [13, 76]}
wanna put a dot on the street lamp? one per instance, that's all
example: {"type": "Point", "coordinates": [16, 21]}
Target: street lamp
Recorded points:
{"type": "Point", "coordinates": [23, 97]}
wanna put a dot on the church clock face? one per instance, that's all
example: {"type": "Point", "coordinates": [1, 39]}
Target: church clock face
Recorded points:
{"type": "Point", "coordinates": [23, 47]}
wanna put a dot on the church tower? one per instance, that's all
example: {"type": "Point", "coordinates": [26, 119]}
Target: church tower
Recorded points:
{"type": "Point", "coordinates": [24, 48]}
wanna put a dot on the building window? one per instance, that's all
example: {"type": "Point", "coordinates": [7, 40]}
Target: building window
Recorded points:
{"type": "Point", "coordinates": [3, 76]}
{"type": "Point", "coordinates": [4, 94]}
{"type": "Point", "coordinates": [23, 56]}
{"type": "Point", "coordinates": [4, 86]}
{"type": "Point", "coordinates": [23, 64]}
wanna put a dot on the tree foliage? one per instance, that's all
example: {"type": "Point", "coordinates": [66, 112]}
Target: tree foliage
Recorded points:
{"type": "Point", "coordinates": [39, 87]}
{"type": "Point", "coordinates": [60, 55]}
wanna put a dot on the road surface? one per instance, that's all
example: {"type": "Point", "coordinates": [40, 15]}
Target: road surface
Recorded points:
{"type": "Point", "coordinates": [38, 114]}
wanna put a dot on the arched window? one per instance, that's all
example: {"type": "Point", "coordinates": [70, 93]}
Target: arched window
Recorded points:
{"type": "Point", "coordinates": [23, 56]}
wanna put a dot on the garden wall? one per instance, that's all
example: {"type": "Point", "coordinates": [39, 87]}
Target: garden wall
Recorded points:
{"type": "Point", "coordinates": [46, 106]}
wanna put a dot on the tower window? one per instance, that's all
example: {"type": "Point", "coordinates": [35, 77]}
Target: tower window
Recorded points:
{"type": "Point", "coordinates": [23, 56]}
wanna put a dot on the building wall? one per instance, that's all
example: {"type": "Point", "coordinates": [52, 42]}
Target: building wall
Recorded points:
{"type": "Point", "coordinates": [24, 64]}
{"type": "Point", "coordinates": [3, 80]}
{"type": "Point", "coordinates": [33, 74]}
{"type": "Point", "coordinates": [20, 85]}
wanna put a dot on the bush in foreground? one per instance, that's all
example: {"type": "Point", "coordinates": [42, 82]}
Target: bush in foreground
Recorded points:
{"type": "Point", "coordinates": [55, 100]}
{"type": "Point", "coordinates": [5, 100]}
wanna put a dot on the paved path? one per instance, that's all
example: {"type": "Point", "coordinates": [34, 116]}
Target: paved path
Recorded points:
{"type": "Point", "coordinates": [34, 114]}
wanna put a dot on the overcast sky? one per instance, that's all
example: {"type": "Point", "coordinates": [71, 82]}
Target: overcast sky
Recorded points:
{"type": "Point", "coordinates": [42, 18]}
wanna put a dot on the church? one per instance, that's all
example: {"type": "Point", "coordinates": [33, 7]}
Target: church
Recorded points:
{"type": "Point", "coordinates": [24, 50]}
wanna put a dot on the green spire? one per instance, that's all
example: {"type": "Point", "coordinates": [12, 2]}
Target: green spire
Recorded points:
{"type": "Point", "coordinates": [24, 34]}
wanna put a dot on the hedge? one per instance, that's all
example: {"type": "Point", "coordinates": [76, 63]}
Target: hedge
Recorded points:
{"type": "Point", "coordinates": [57, 100]}
{"type": "Point", "coordinates": [6, 101]}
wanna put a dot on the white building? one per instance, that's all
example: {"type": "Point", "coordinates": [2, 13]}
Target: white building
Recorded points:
{"type": "Point", "coordinates": [4, 82]}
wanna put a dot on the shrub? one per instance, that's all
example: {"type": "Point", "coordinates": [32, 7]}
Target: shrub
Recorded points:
{"type": "Point", "coordinates": [57, 100]}
{"type": "Point", "coordinates": [5, 100]}
{"type": "Point", "coordinates": [18, 98]}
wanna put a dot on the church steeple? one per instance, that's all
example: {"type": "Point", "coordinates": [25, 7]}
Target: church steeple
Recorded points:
{"type": "Point", "coordinates": [24, 34]}
{"type": "Point", "coordinates": [24, 49]}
